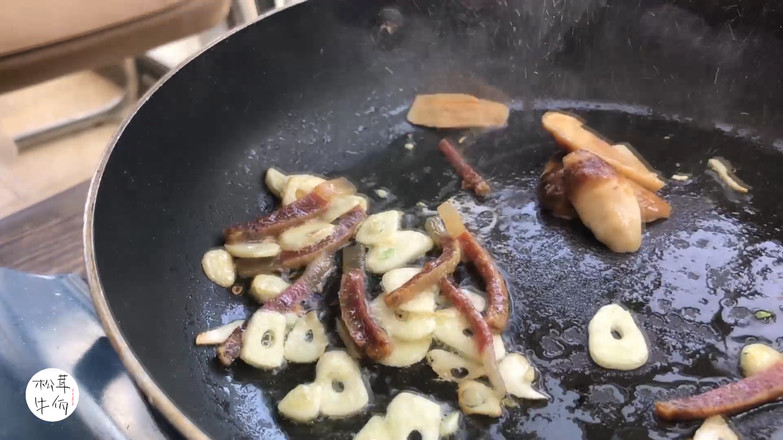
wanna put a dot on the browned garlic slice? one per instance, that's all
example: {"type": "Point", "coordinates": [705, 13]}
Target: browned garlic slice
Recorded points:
{"type": "Point", "coordinates": [265, 287]}
{"type": "Point", "coordinates": [217, 335]}
{"type": "Point", "coordinates": [219, 267]}
{"type": "Point", "coordinates": [301, 404]}
{"type": "Point", "coordinates": [298, 186]}
{"type": "Point", "coordinates": [715, 428]}
{"type": "Point", "coordinates": [307, 341]}
{"type": "Point", "coordinates": [342, 204]}
{"type": "Point", "coordinates": [343, 391]}
{"type": "Point", "coordinates": [477, 398]}
{"type": "Point", "coordinates": [627, 352]}
{"type": "Point", "coordinates": [262, 342]}
{"type": "Point", "coordinates": [453, 367]}
{"type": "Point", "coordinates": [304, 235]}
{"type": "Point", "coordinates": [756, 358]}
{"type": "Point", "coordinates": [519, 375]}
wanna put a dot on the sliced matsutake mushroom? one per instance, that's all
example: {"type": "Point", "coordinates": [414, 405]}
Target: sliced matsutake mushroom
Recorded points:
{"type": "Point", "coordinates": [519, 376]}
{"type": "Point", "coordinates": [453, 330]}
{"type": "Point", "coordinates": [453, 367]}
{"type": "Point", "coordinates": [265, 287]}
{"type": "Point", "coordinates": [219, 267]}
{"type": "Point", "coordinates": [254, 250]}
{"type": "Point", "coordinates": [262, 342]}
{"type": "Point", "coordinates": [406, 415]}
{"type": "Point", "coordinates": [343, 391]}
{"type": "Point", "coordinates": [341, 205]}
{"type": "Point", "coordinates": [301, 404]}
{"type": "Point", "coordinates": [306, 234]}
{"type": "Point", "coordinates": [400, 324]}
{"type": "Point", "coordinates": [477, 398]}
{"type": "Point", "coordinates": [217, 335]}
{"type": "Point", "coordinates": [424, 301]}
{"type": "Point", "coordinates": [401, 248]}
{"type": "Point", "coordinates": [379, 227]}
{"type": "Point", "coordinates": [715, 428]}
{"type": "Point", "coordinates": [307, 341]}
{"type": "Point", "coordinates": [615, 341]}
{"type": "Point", "coordinates": [756, 358]}
{"type": "Point", "coordinates": [456, 110]}
{"type": "Point", "coordinates": [275, 181]}
{"type": "Point", "coordinates": [298, 186]}
{"type": "Point", "coordinates": [405, 353]}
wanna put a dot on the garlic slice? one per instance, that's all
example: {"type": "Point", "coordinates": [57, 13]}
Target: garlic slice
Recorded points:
{"type": "Point", "coordinates": [453, 330]}
{"type": "Point", "coordinates": [254, 250]}
{"type": "Point", "coordinates": [400, 324]}
{"type": "Point", "coordinates": [219, 267]}
{"type": "Point", "coordinates": [409, 412]}
{"type": "Point", "coordinates": [343, 392]}
{"type": "Point", "coordinates": [400, 249]}
{"type": "Point", "coordinates": [307, 341]}
{"type": "Point", "coordinates": [309, 233]}
{"type": "Point", "coordinates": [423, 303]}
{"type": "Point", "coordinates": [262, 342]}
{"type": "Point", "coordinates": [453, 367]}
{"type": "Point", "coordinates": [405, 353]}
{"type": "Point", "coordinates": [301, 404]}
{"type": "Point", "coordinates": [450, 424]}
{"type": "Point", "coordinates": [476, 398]}
{"type": "Point", "coordinates": [756, 358]}
{"type": "Point", "coordinates": [265, 287]}
{"type": "Point", "coordinates": [218, 335]}
{"type": "Point", "coordinates": [519, 375]}
{"type": "Point", "coordinates": [298, 186]}
{"type": "Point", "coordinates": [379, 227]}
{"type": "Point", "coordinates": [375, 429]}
{"type": "Point", "coordinates": [626, 353]}
{"type": "Point", "coordinates": [275, 181]}
{"type": "Point", "coordinates": [715, 428]}
{"type": "Point", "coordinates": [341, 204]}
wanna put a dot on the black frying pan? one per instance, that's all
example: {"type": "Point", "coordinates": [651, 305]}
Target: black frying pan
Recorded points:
{"type": "Point", "coordinates": [323, 87]}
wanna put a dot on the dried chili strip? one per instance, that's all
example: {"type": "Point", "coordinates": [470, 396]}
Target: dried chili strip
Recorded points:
{"type": "Point", "coordinates": [355, 312]}
{"type": "Point", "coordinates": [346, 227]}
{"type": "Point", "coordinates": [470, 178]}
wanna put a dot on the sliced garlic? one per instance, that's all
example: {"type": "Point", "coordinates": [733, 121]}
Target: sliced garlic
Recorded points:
{"type": "Point", "coordinates": [275, 181]}
{"type": "Point", "coordinates": [756, 358]}
{"type": "Point", "coordinates": [405, 353]}
{"type": "Point", "coordinates": [450, 424]}
{"type": "Point", "coordinates": [304, 235]}
{"type": "Point", "coordinates": [409, 412]}
{"type": "Point", "coordinates": [301, 404]}
{"type": "Point", "coordinates": [343, 392]}
{"type": "Point", "coordinates": [476, 398]}
{"type": "Point", "coordinates": [253, 250]}
{"type": "Point", "coordinates": [265, 287]}
{"type": "Point", "coordinates": [298, 186]}
{"type": "Point", "coordinates": [379, 227]}
{"type": "Point", "coordinates": [453, 330]}
{"type": "Point", "coordinates": [375, 429]}
{"type": "Point", "coordinates": [262, 342]}
{"type": "Point", "coordinates": [219, 267]}
{"type": "Point", "coordinates": [715, 428]}
{"type": "Point", "coordinates": [423, 303]}
{"type": "Point", "coordinates": [478, 301]}
{"type": "Point", "coordinates": [626, 353]}
{"type": "Point", "coordinates": [342, 204]}
{"type": "Point", "coordinates": [217, 335]}
{"type": "Point", "coordinates": [719, 165]}
{"type": "Point", "coordinates": [400, 324]}
{"type": "Point", "coordinates": [400, 249]}
{"type": "Point", "coordinates": [519, 375]}
{"type": "Point", "coordinates": [307, 341]}
{"type": "Point", "coordinates": [453, 367]}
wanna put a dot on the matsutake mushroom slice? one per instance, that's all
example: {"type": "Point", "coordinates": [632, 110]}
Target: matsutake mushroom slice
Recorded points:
{"type": "Point", "coordinates": [306, 234]}
{"type": "Point", "coordinates": [264, 249]}
{"type": "Point", "coordinates": [298, 186]}
{"type": "Point", "coordinates": [217, 335]}
{"type": "Point", "coordinates": [453, 367]}
{"type": "Point", "coordinates": [400, 324]}
{"type": "Point", "coordinates": [476, 398]}
{"type": "Point", "coordinates": [406, 414]}
{"type": "Point", "coordinates": [405, 353]}
{"type": "Point", "coordinates": [401, 248]}
{"type": "Point", "coordinates": [453, 330]}
{"type": "Point", "coordinates": [424, 301]}
{"type": "Point", "coordinates": [615, 340]}
{"type": "Point", "coordinates": [343, 391]}
{"type": "Point", "coordinates": [715, 428]}
{"type": "Point", "coordinates": [302, 404]}
{"type": "Point", "coordinates": [307, 341]}
{"type": "Point", "coordinates": [341, 205]}
{"type": "Point", "coordinates": [265, 287]}
{"type": "Point", "coordinates": [262, 342]}
{"type": "Point", "coordinates": [756, 358]}
{"type": "Point", "coordinates": [219, 267]}
{"type": "Point", "coordinates": [518, 376]}
{"type": "Point", "coordinates": [456, 110]}
{"type": "Point", "coordinates": [275, 181]}
{"type": "Point", "coordinates": [379, 227]}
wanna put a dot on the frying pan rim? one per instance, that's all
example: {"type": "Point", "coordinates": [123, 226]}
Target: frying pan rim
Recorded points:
{"type": "Point", "coordinates": [154, 393]}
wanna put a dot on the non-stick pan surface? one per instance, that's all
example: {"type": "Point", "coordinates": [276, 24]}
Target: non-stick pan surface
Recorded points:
{"type": "Point", "coordinates": [323, 87]}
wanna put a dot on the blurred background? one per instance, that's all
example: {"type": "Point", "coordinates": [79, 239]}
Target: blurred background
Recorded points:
{"type": "Point", "coordinates": [70, 70]}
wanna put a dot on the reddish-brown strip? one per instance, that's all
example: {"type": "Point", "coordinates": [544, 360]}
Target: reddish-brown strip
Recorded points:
{"type": "Point", "coordinates": [342, 233]}
{"type": "Point", "coordinates": [733, 398]}
{"type": "Point", "coordinates": [430, 275]}
{"type": "Point", "coordinates": [494, 284]}
{"type": "Point", "coordinates": [355, 311]}
{"type": "Point", "coordinates": [310, 281]}
{"type": "Point", "coordinates": [470, 178]}
{"type": "Point", "coordinates": [228, 351]}
{"type": "Point", "coordinates": [286, 217]}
